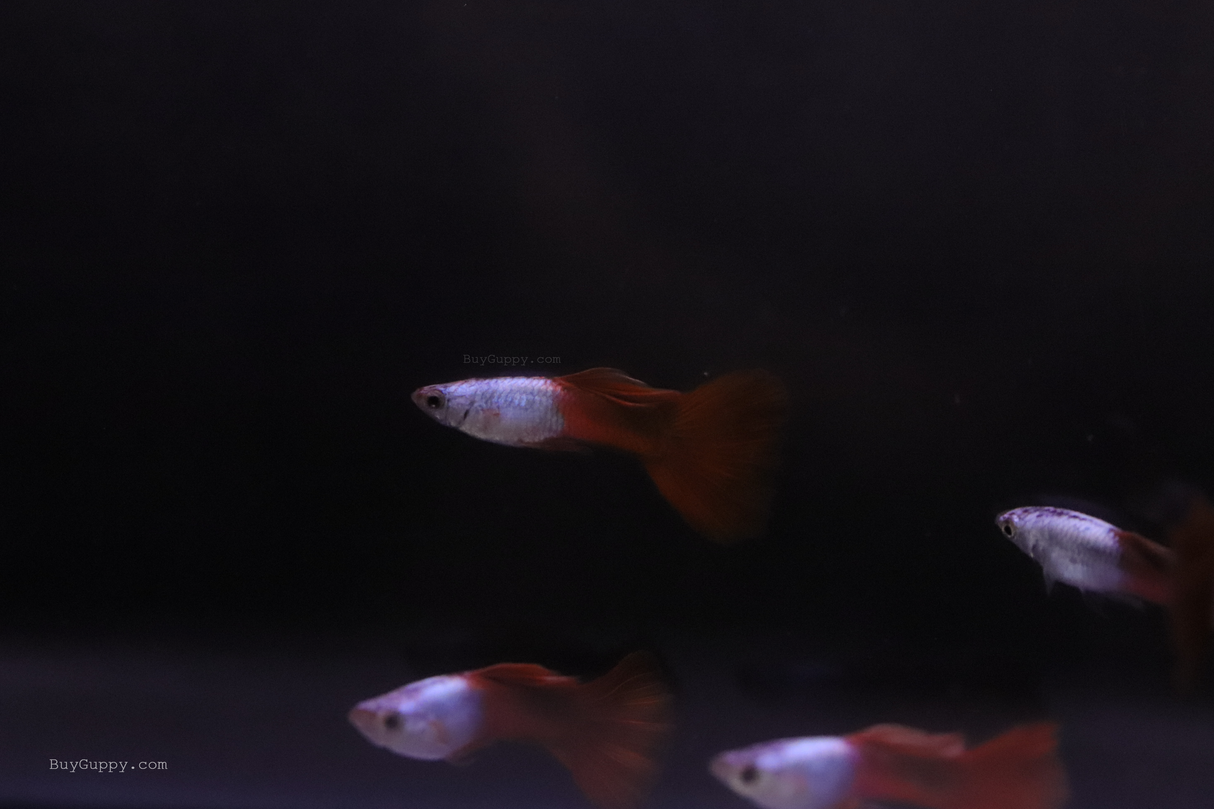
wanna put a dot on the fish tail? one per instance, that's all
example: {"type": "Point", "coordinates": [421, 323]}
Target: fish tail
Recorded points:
{"type": "Point", "coordinates": [716, 463]}
{"type": "Point", "coordinates": [615, 729]}
{"type": "Point", "coordinates": [1018, 770]}
{"type": "Point", "coordinates": [1193, 596]}
{"type": "Point", "coordinates": [1149, 568]}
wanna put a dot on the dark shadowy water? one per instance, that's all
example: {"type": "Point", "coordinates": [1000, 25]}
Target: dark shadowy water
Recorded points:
{"type": "Point", "coordinates": [973, 238]}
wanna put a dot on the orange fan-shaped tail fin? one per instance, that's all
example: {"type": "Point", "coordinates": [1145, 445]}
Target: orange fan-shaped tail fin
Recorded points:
{"type": "Point", "coordinates": [606, 732]}
{"type": "Point", "coordinates": [621, 720]}
{"type": "Point", "coordinates": [711, 452]}
{"type": "Point", "coordinates": [715, 466]}
{"type": "Point", "coordinates": [1017, 770]}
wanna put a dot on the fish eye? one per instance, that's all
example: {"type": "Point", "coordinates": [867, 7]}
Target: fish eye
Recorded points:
{"type": "Point", "coordinates": [1009, 530]}
{"type": "Point", "coordinates": [392, 721]}
{"type": "Point", "coordinates": [749, 774]}
{"type": "Point", "coordinates": [434, 401]}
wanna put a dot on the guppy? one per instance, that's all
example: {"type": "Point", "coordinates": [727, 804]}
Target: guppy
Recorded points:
{"type": "Point", "coordinates": [891, 763]}
{"type": "Point", "coordinates": [1091, 554]}
{"type": "Point", "coordinates": [710, 452]}
{"type": "Point", "coordinates": [606, 732]}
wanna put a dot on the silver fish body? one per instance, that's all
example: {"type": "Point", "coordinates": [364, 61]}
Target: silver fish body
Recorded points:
{"type": "Point", "coordinates": [515, 411]}
{"type": "Point", "coordinates": [807, 773]}
{"type": "Point", "coordinates": [430, 719]}
{"type": "Point", "coordinates": [1070, 546]}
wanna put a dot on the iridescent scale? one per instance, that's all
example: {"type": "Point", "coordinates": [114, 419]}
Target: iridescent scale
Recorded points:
{"type": "Point", "coordinates": [1072, 547]}
{"type": "Point", "coordinates": [516, 411]}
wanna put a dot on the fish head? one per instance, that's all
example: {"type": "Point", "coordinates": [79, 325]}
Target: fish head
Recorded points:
{"type": "Point", "coordinates": [447, 404]}
{"type": "Point", "coordinates": [811, 773]}
{"type": "Point", "coordinates": [1017, 525]}
{"type": "Point", "coordinates": [430, 719]}
{"type": "Point", "coordinates": [451, 403]}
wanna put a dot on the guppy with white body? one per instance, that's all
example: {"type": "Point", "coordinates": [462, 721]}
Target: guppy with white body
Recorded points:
{"type": "Point", "coordinates": [710, 452]}
{"type": "Point", "coordinates": [892, 763]}
{"type": "Point", "coordinates": [431, 719]}
{"type": "Point", "coordinates": [1091, 554]}
{"type": "Point", "coordinates": [606, 732]}
{"type": "Point", "coordinates": [514, 411]}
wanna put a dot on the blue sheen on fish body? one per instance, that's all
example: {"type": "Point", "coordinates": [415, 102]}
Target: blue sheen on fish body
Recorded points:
{"type": "Point", "coordinates": [515, 411]}
{"type": "Point", "coordinates": [1070, 546]}
{"type": "Point", "coordinates": [807, 773]}
{"type": "Point", "coordinates": [430, 719]}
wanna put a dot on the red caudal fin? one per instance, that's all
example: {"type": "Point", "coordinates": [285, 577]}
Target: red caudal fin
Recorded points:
{"type": "Point", "coordinates": [1150, 569]}
{"type": "Point", "coordinates": [711, 452]}
{"type": "Point", "coordinates": [621, 720]}
{"type": "Point", "coordinates": [1193, 603]}
{"type": "Point", "coordinates": [1018, 770]}
{"type": "Point", "coordinates": [716, 465]}
{"type": "Point", "coordinates": [606, 732]}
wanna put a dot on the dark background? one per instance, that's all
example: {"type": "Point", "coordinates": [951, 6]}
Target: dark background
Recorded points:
{"type": "Point", "coordinates": [974, 238]}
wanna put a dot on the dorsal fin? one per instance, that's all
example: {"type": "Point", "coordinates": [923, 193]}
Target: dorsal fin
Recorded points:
{"type": "Point", "coordinates": [617, 386]}
{"type": "Point", "coordinates": [607, 407]}
{"type": "Point", "coordinates": [526, 675]}
{"type": "Point", "coordinates": [911, 740]}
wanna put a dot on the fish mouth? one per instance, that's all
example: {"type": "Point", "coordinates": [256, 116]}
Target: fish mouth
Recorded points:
{"type": "Point", "coordinates": [1006, 523]}
{"type": "Point", "coordinates": [722, 768]}
{"type": "Point", "coordinates": [363, 719]}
